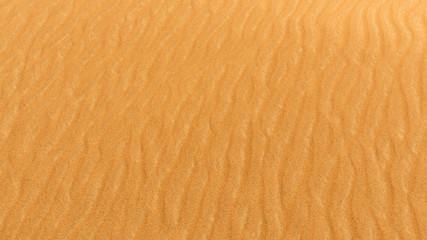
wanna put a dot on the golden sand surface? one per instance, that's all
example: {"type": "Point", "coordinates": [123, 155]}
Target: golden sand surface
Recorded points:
{"type": "Point", "coordinates": [213, 119]}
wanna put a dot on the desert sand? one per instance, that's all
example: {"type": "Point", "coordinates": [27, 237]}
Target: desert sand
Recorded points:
{"type": "Point", "coordinates": [213, 119]}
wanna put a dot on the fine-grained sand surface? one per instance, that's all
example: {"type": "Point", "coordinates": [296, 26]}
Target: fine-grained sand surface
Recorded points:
{"type": "Point", "coordinates": [213, 119]}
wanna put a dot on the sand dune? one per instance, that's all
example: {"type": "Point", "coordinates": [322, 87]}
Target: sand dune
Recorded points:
{"type": "Point", "coordinates": [209, 119]}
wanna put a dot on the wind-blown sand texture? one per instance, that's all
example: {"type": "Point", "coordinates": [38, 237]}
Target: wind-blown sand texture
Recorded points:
{"type": "Point", "coordinates": [213, 119]}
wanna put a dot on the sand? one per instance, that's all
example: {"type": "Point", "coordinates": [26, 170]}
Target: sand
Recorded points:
{"type": "Point", "coordinates": [213, 119]}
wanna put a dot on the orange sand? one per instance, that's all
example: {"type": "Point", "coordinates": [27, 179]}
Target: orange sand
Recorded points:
{"type": "Point", "coordinates": [213, 119]}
